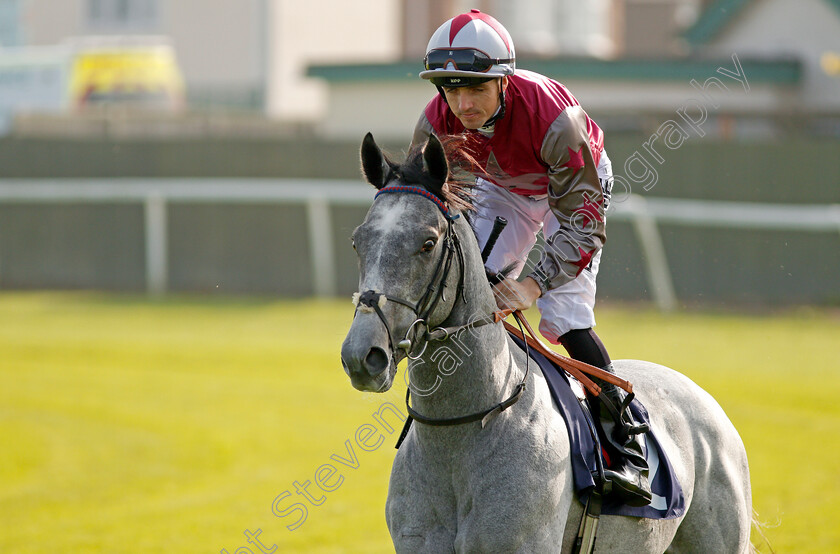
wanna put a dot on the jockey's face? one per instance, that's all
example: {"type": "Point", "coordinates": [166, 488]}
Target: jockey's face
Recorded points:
{"type": "Point", "coordinates": [474, 105]}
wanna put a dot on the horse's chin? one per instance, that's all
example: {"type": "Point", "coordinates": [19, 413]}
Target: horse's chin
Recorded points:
{"type": "Point", "coordinates": [382, 384]}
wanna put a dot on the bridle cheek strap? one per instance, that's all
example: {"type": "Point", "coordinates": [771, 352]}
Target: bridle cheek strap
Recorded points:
{"type": "Point", "coordinates": [371, 300]}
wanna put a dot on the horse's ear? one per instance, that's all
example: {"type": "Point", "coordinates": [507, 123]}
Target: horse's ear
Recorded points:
{"type": "Point", "coordinates": [434, 162]}
{"type": "Point", "coordinates": [375, 167]}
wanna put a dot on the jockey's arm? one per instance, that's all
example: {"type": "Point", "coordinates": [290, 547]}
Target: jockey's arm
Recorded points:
{"type": "Point", "coordinates": [576, 199]}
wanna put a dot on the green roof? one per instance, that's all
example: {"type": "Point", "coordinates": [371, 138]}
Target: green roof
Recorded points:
{"type": "Point", "coordinates": [718, 15]}
{"type": "Point", "coordinates": [780, 71]}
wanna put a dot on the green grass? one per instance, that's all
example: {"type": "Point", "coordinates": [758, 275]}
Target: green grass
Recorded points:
{"type": "Point", "coordinates": [129, 425]}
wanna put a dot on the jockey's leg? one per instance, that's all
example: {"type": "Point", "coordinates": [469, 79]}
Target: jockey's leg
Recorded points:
{"type": "Point", "coordinates": [586, 346]}
{"type": "Point", "coordinates": [620, 433]}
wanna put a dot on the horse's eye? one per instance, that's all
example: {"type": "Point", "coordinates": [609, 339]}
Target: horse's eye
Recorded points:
{"type": "Point", "coordinates": [352, 243]}
{"type": "Point", "coordinates": [428, 245]}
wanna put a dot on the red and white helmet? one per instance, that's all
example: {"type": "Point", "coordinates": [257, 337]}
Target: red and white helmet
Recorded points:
{"type": "Point", "coordinates": [469, 48]}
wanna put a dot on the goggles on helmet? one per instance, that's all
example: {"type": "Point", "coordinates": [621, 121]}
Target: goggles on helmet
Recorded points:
{"type": "Point", "coordinates": [464, 59]}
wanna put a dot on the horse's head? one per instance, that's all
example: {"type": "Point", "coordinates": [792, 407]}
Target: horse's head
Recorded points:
{"type": "Point", "coordinates": [410, 263]}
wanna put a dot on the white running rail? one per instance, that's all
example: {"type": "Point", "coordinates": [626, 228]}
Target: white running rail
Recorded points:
{"type": "Point", "coordinates": [317, 195]}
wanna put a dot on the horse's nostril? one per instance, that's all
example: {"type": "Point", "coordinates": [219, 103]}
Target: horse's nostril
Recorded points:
{"type": "Point", "coordinates": [376, 361]}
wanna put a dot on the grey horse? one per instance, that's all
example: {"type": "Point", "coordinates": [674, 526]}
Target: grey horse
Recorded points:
{"type": "Point", "coordinates": [504, 484]}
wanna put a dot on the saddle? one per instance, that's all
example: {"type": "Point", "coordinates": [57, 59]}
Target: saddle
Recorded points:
{"type": "Point", "coordinates": [587, 457]}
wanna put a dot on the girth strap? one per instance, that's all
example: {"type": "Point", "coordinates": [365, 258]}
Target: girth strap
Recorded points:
{"type": "Point", "coordinates": [588, 529]}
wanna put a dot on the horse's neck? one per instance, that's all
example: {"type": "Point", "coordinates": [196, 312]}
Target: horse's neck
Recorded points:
{"type": "Point", "coordinates": [468, 373]}
{"type": "Point", "coordinates": [473, 369]}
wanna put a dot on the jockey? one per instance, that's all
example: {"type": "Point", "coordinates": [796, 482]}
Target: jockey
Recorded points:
{"type": "Point", "coordinates": [543, 167]}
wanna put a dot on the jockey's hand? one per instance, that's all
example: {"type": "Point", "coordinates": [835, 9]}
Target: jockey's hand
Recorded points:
{"type": "Point", "coordinates": [516, 295]}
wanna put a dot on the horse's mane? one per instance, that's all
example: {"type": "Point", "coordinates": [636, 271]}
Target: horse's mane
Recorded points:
{"type": "Point", "coordinates": [457, 191]}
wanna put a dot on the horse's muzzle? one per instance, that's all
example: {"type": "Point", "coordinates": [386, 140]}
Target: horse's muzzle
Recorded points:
{"type": "Point", "coordinates": [366, 364]}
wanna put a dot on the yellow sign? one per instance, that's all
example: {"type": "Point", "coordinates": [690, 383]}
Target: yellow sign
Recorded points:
{"type": "Point", "coordinates": [140, 75]}
{"type": "Point", "coordinates": [830, 63]}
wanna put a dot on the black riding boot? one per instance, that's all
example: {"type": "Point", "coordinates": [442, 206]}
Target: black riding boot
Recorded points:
{"type": "Point", "coordinates": [621, 434]}
{"type": "Point", "coordinates": [628, 474]}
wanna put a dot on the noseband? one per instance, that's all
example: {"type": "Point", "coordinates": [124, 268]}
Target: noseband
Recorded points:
{"type": "Point", "coordinates": [435, 291]}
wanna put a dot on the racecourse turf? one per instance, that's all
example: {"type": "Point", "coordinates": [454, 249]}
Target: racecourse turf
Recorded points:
{"type": "Point", "coordinates": [191, 424]}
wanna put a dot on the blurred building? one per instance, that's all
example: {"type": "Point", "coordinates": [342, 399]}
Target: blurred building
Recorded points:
{"type": "Point", "coordinates": [745, 68]}
{"type": "Point", "coordinates": [806, 30]}
{"type": "Point", "coordinates": [254, 54]}
{"type": "Point", "coordinates": [347, 66]}
{"type": "Point", "coordinates": [239, 54]}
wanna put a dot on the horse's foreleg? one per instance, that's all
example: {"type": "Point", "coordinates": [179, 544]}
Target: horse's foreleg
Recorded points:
{"type": "Point", "coordinates": [416, 510]}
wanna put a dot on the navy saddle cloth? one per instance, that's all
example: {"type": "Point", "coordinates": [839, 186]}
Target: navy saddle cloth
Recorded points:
{"type": "Point", "coordinates": [668, 500]}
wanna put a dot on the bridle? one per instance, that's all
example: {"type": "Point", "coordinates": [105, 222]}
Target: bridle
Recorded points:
{"type": "Point", "coordinates": [423, 308]}
{"type": "Point", "coordinates": [435, 291]}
